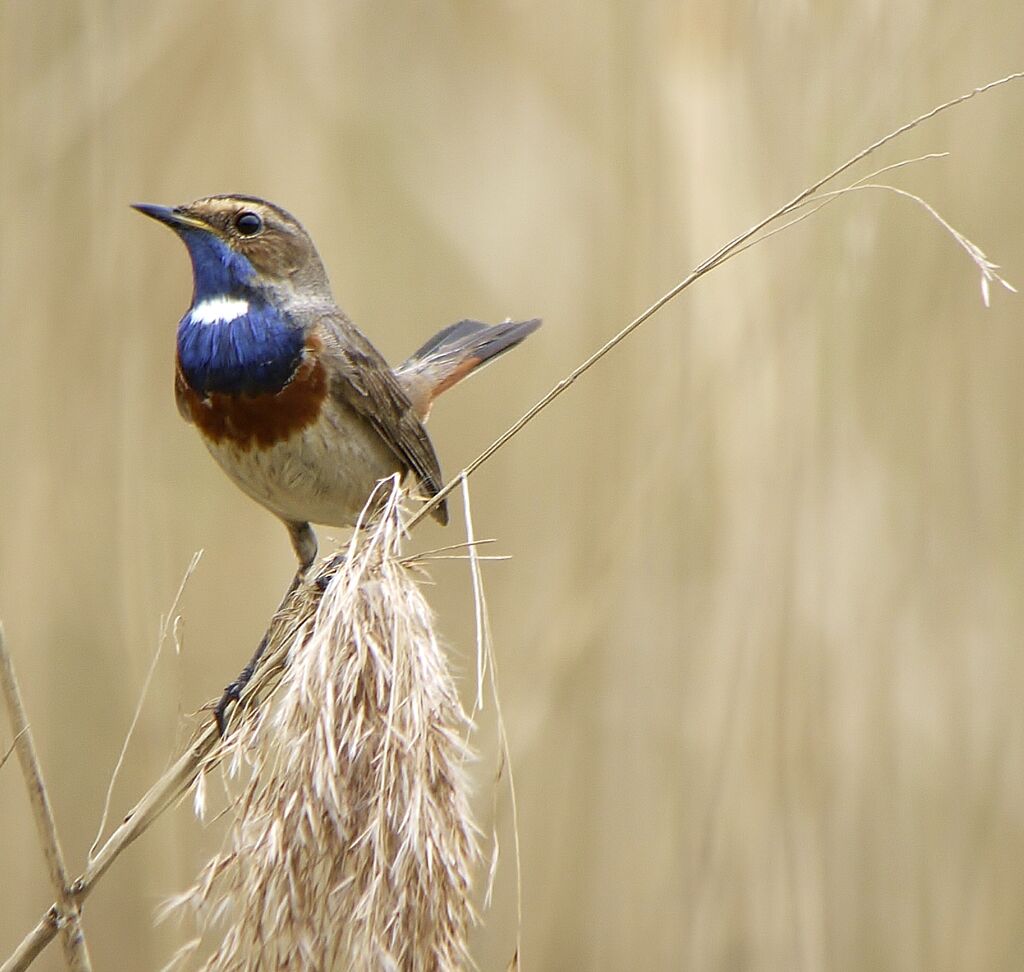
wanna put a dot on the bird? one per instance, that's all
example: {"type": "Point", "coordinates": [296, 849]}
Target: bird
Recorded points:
{"type": "Point", "coordinates": [292, 400]}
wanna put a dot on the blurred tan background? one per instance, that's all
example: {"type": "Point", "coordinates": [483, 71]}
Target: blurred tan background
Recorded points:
{"type": "Point", "coordinates": [760, 638]}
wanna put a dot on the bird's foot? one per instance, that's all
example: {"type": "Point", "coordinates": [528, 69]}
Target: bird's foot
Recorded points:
{"type": "Point", "coordinates": [220, 711]}
{"type": "Point", "coordinates": [232, 694]}
{"type": "Point", "coordinates": [324, 578]}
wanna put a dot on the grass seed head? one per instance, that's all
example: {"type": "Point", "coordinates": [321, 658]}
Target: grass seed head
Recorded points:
{"type": "Point", "coordinates": [352, 844]}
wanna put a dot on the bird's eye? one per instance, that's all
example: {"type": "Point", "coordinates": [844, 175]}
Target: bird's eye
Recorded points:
{"type": "Point", "coordinates": [248, 223]}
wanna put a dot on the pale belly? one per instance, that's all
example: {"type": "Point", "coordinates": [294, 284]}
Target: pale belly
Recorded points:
{"type": "Point", "coordinates": [324, 473]}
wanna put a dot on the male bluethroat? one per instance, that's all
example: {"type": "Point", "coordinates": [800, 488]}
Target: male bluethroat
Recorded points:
{"type": "Point", "coordinates": [292, 400]}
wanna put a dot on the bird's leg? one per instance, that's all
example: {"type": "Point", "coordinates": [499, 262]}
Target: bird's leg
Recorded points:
{"type": "Point", "coordinates": [304, 542]}
{"type": "Point", "coordinates": [234, 690]}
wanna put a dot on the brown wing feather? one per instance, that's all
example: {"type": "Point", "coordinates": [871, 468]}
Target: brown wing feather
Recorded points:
{"type": "Point", "coordinates": [362, 379]}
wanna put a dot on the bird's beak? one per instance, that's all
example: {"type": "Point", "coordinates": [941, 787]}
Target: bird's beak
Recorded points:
{"type": "Point", "coordinates": [175, 218]}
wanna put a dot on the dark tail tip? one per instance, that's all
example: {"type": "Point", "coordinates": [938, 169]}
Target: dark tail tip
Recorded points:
{"type": "Point", "coordinates": [454, 354]}
{"type": "Point", "coordinates": [474, 337]}
{"type": "Point", "coordinates": [440, 512]}
{"type": "Point", "coordinates": [503, 337]}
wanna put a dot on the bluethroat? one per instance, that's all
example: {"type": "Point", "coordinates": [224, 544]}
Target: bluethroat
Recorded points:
{"type": "Point", "coordinates": [293, 401]}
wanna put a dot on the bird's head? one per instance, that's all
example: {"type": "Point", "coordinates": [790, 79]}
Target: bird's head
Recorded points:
{"type": "Point", "coordinates": [241, 244]}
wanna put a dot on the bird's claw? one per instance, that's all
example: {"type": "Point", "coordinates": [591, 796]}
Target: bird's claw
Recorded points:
{"type": "Point", "coordinates": [230, 697]}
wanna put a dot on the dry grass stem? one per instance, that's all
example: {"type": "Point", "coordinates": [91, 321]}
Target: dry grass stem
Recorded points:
{"type": "Point", "coordinates": [9, 752]}
{"type": "Point", "coordinates": [69, 919]}
{"type": "Point", "coordinates": [203, 750]}
{"type": "Point", "coordinates": [168, 626]}
{"type": "Point", "coordinates": [731, 249]}
{"type": "Point", "coordinates": [351, 844]}
{"type": "Point", "coordinates": [818, 201]}
{"type": "Point", "coordinates": [984, 264]}
{"type": "Point", "coordinates": [487, 662]}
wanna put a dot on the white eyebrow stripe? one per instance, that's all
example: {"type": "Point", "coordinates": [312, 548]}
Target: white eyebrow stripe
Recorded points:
{"type": "Point", "coordinates": [219, 310]}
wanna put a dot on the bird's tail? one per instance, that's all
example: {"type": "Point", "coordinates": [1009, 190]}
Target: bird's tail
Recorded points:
{"type": "Point", "coordinates": [454, 354]}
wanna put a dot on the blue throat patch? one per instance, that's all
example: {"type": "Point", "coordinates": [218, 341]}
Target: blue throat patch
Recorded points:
{"type": "Point", "coordinates": [255, 354]}
{"type": "Point", "coordinates": [216, 268]}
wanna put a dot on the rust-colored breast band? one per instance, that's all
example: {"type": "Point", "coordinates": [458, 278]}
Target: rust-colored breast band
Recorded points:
{"type": "Point", "coordinates": [257, 420]}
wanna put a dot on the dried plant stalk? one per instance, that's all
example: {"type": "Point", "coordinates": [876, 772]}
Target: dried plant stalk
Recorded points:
{"type": "Point", "coordinates": [76, 952]}
{"type": "Point", "coordinates": [352, 844]}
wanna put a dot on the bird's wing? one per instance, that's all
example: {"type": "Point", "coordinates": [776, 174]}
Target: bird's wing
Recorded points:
{"type": "Point", "coordinates": [361, 379]}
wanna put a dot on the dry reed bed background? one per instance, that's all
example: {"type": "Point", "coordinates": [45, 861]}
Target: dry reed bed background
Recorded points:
{"type": "Point", "coordinates": [823, 645]}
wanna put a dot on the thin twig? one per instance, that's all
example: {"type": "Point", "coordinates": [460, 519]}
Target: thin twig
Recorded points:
{"type": "Point", "coordinates": [486, 661]}
{"type": "Point", "coordinates": [159, 796]}
{"type": "Point", "coordinates": [10, 750]}
{"type": "Point", "coordinates": [162, 794]}
{"type": "Point", "coordinates": [76, 953]}
{"type": "Point", "coordinates": [826, 198]}
{"type": "Point", "coordinates": [166, 626]}
{"type": "Point", "coordinates": [33, 943]}
{"type": "Point", "coordinates": [725, 253]}
{"type": "Point", "coordinates": [985, 266]}
{"type": "Point", "coordinates": [481, 617]}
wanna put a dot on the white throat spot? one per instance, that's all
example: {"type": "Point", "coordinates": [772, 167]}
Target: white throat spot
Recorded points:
{"type": "Point", "coordinates": [219, 310]}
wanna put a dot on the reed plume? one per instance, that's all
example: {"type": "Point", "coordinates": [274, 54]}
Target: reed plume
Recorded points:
{"type": "Point", "coordinates": [352, 844]}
